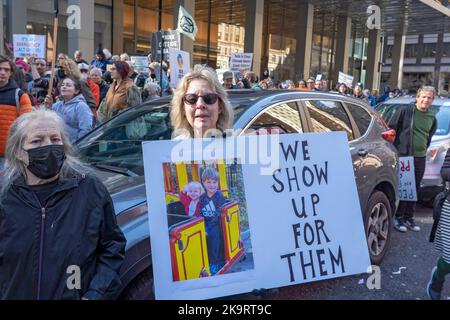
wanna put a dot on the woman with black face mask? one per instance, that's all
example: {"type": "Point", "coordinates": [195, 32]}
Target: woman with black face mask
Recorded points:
{"type": "Point", "coordinates": [59, 237]}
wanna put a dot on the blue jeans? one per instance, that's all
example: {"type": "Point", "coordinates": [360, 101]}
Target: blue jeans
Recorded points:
{"type": "Point", "coordinates": [214, 241]}
{"type": "Point", "coordinates": [2, 163]}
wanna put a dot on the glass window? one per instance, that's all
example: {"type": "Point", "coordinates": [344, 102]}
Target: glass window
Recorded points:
{"type": "Point", "coordinates": [361, 117]}
{"type": "Point", "coordinates": [429, 50]}
{"type": "Point", "coordinates": [411, 51]}
{"type": "Point", "coordinates": [282, 118]}
{"type": "Point", "coordinates": [327, 116]}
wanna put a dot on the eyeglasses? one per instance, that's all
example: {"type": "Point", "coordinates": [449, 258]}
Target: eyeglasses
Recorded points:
{"type": "Point", "coordinates": [192, 98]}
{"type": "Point", "coordinates": [310, 82]}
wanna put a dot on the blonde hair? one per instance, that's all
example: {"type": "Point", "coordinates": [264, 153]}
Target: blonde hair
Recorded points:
{"type": "Point", "coordinates": [71, 68]}
{"type": "Point", "coordinates": [426, 89]}
{"type": "Point", "coordinates": [177, 112]}
{"type": "Point", "coordinates": [194, 184]}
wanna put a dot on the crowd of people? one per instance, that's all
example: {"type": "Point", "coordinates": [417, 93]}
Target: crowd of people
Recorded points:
{"type": "Point", "coordinates": [42, 177]}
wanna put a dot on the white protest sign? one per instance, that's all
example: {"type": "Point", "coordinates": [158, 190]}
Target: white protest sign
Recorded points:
{"type": "Point", "coordinates": [346, 79]}
{"type": "Point", "coordinates": [406, 179]}
{"type": "Point", "coordinates": [140, 63]}
{"type": "Point", "coordinates": [241, 61]}
{"type": "Point", "coordinates": [304, 220]}
{"type": "Point", "coordinates": [179, 65]}
{"type": "Point", "coordinates": [319, 77]}
{"type": "Point", "coordinates": [29, 44]}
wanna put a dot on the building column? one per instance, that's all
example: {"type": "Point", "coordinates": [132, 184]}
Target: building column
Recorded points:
{"type": "Point", "coordinates": [117, 40]}
{"type": "Point", "coordinates": [438, 59]}
{"type": "Point", "coordinates": [342, 53]}
{"type": "Point", "coordinates": [373, 65]}
{"type": "Point", "coordinates": [305, 19]}
{"type": "Point", "coordinates": [186, 43]}
{"type": "Point", "coordinates": [83, 39]}
{"type": "Point", "coordinates": [254, 20]}
{"type": "Point", "coordinates": [398, 54]}
{"type": "Point", "coordinates": [17, 18]}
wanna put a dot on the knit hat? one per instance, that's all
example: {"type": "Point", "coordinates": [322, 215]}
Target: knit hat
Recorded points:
{"type": "Point", "coordinates": [23, 65]}
{"type": "Point", "coordinates": [100, 51]}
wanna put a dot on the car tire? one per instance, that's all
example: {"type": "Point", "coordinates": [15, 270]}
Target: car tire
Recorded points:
{"type": "Point", "coordinates": [141, 288]}
{"type": "Point", "coordinates": [378, 226]}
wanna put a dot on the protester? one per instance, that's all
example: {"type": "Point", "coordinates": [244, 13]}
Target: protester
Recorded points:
{"type": "Point", "coordinates": [68, 68]}
{"type": "Point", "coordinates": [302, 84]}
{"type": "Point", "coordinates": [100, 61]}
{"type": "Point", "coordinates": [228, 80]}
{"type": "Point", "coordinates": [38, 87]}
{"type": "Point", "coordinates": [84, 69]}
{"type": "Point", "coordinates": [78, 57]}
{"type": "Point", "coordinates": [342, 89]}
{"type": "Point", "coordinates": [358, 93]}
{"type": "Point", "coordinates": [415, 124]}
{"type": "Point", "coordinates": [442, 241]}
{"type": "Point", "coordinates": [155, 74]}
{"type": "Point", "coordinates": [318, 86]}
{"type": "Point", "coordinates": [310, 83]}
{"type": "Point", "coordinates": [122, 93]}
{"type": "Point", "coordinates": [10, 110]}
{"type": "Point", "coordinates": [95, 75]}
{"type": "Point", "coordinates": [151, 92]}
{"type": "Point", "coordinates": [75, 225]}
{"type": "Point", "coordinates": [72, 109]}
{"type": "Point", "coordinates": [200, 103]}
{"type": "Point", "coordinates": [250, 76]}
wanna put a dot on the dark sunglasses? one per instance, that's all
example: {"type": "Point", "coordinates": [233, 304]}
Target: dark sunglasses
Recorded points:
{"type": "Point", "coordinates": [192, 98]}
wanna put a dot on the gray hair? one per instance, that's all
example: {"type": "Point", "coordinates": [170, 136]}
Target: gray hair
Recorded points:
{"type": "Point", "coordinates": [96, 70]}
{"type": "Point", "coordinates": [14, 168]}
{"type": "Point", "coordinates": [153, 88]}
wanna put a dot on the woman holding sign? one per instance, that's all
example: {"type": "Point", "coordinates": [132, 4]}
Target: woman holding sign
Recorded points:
{"type": "Point", "coordinates": [200, 105]}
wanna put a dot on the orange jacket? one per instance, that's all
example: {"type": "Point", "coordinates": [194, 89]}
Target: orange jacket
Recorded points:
{"type": "Point", "coordinates": [95, 91]}
{"type": "Point", "coordinates": [9, 111]}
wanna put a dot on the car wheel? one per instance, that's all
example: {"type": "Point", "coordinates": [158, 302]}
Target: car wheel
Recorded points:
{"type": "Point", "coordinates": [140, 288]}
{"type": "Point", "coordinates": [378, 225]}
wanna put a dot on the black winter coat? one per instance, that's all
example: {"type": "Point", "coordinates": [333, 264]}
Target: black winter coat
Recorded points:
{"type": "Point", "coordinates": [77, 227]}
{"type": "Point", "coordinates": [403, 123]}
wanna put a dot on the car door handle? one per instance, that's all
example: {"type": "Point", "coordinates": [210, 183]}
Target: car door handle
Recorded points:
{"type": "Point", "coordinates": [362, 152]}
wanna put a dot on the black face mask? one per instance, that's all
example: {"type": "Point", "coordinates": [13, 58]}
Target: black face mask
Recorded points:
{"type": "Point", "coordinates": [61, 74]}
{"type": "Point", "coordinates": [46, 162]}
{"type": "Point", "coordinates": [153, 76]}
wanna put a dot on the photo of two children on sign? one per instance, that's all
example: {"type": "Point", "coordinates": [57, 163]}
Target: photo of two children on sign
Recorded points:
{"type": "Point", "coordinates": [207, 219]}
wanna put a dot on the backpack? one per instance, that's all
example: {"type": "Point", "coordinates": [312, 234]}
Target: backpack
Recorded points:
{"type": "Point", "coordinates": [437, 207]}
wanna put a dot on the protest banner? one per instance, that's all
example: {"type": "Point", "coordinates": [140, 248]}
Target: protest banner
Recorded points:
{"type": "Point", "coordinates": [300, 223]}
{"type": "Point", "coordinates": [406, 179]}
{"type": "Point", "coordinates": [140, 63]}
{"type": "Point", "coordinates": [179, 65]}
{"type": "Point", "coordinates": [29, 44]}
{"type": "Point", "coordinates": [241, 62]}
{"type": "Point", "coordinates": [345, 79]}
{"type": "Point", "coordinates": [171, 40]}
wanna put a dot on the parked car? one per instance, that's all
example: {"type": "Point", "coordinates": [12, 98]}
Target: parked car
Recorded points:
{"type": "Point", "coordinates": [432, 182]}
{"type": "Point", "coordinates": [114, 149]}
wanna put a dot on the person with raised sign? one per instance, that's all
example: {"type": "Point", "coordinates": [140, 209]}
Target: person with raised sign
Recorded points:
{"type": "Point", "coordinates": [415, 124]}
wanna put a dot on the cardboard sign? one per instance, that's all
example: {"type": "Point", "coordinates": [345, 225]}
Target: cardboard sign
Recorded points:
{"type": "Point", "coordinates": [241, 61]}
{"type": "Point", "coordinates": [140, 63]}
{"type": "Point", "coordinates": [346, 79]}
{"type": "Point", "coordinates": [179, 65]}
{"type": "Point", "coordinates": [406, 179]}
{"type": "Point", "coordinates": [302, 222]}
{"type": "Point", "coordinates": [26, 45]}
{"type": "Point", "coordinates": [171, 40]}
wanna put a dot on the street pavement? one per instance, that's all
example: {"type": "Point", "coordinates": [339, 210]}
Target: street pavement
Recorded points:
{"type": "Point", "coordinates": [405, 272]}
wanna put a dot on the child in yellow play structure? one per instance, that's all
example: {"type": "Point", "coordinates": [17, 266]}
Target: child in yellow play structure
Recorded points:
{"type": "Point", "coordinates": [211, 203]}
{"type": "Point", "coordinates": [190, 197]}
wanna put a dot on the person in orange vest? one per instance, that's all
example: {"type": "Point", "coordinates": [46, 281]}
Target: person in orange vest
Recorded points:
{"type": "Point", "coordinates": [13, 102]}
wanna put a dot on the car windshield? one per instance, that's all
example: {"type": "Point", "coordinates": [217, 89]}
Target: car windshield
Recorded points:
{"type": "Point", "coordinates": [442, 113]}
{"type": "Point", "coordinates": [117, 145]}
